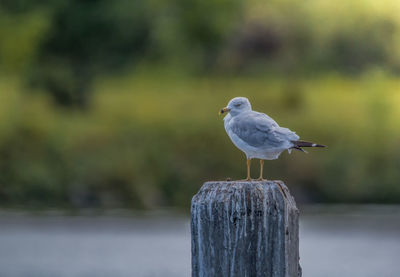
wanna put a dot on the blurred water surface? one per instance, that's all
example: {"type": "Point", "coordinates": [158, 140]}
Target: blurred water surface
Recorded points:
{"type": "Point", "coordinates": [335, 241]}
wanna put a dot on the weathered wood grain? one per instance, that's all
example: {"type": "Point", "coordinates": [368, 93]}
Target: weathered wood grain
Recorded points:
{"type": "Point", "coordinates": [242, 228]}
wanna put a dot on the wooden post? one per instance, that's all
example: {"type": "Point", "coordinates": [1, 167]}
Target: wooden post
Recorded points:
{"type": "Point", "coordinates": [245, 229]}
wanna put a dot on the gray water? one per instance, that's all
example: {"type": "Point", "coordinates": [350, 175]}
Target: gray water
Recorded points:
{"type": "Point", "coordinates": [334, 242]}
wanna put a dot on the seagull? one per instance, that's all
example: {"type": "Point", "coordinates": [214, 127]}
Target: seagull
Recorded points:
{"type": "Point", "coordinates": [258, 135]}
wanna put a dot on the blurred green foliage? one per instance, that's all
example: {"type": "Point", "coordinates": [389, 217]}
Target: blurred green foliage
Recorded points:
{"type": "Point", "coordinates": [140, 83]}
{"type": "Point", "coordinates": [147, 143]}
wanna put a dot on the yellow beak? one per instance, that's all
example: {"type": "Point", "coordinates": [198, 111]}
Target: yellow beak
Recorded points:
{"type": "Point", "coordinates": [224, 110]}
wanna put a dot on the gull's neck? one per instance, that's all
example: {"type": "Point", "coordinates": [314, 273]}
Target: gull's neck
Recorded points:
{"type": "Point", "coordinates": [227, 118]}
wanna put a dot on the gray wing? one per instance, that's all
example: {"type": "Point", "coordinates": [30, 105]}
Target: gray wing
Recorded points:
{"type": "Point", "coordinates": [259, 130]}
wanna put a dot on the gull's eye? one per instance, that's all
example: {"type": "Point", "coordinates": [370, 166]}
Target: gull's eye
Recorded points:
{"type": "Point", "coordinates": [237, 105]}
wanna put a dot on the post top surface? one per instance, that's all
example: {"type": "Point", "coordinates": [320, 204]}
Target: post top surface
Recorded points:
{"type": "Point", "coordinates": [253, 182]}
{"type": "Point", "coordinates": [218, 191]}
{"type": "Point", "coordinates": [243, 184]}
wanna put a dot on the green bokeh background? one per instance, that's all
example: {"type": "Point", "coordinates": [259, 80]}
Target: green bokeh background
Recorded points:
{"type": "Point", "coordinates": [113, 104]}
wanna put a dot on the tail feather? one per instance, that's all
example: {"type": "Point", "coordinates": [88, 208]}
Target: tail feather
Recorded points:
{"type": "Point", "coordinates": [299, 148]}
{"type": "Point", "coordinates": [300, 143]}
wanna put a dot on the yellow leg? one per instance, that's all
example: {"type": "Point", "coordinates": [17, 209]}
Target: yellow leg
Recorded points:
{"type": "Point", "coordinates": [261, 170]}
{"type": "Point", "coordinates": [248, 170]}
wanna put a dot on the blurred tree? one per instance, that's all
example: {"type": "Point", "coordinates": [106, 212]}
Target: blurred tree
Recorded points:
{"type": "Point", "coordinates": [206, 25]}
{"type": "Point", "coordinates": [86, 38]}
{"type": "Point", "coordinates": [93, 37]}
{"type": "Point", "coordinates": [22, 6]}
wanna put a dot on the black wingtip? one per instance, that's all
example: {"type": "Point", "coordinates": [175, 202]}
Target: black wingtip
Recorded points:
{"type": "Point", "coordinates": [301, 143]}
{"type": "Point", "coordinates": [320, 145]}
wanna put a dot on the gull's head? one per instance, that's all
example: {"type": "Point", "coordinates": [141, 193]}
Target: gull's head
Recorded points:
{"type": "Point", "coordinates": [236, 106]}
